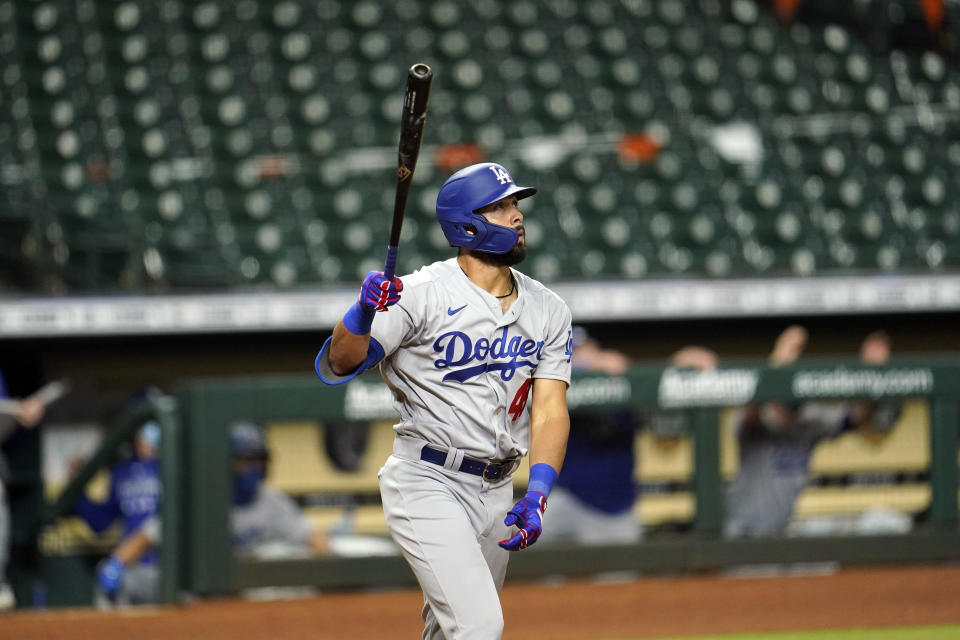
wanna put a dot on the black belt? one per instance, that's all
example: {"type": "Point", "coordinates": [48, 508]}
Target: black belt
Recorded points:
{"type": "Point", "coordinates": [491, 471]}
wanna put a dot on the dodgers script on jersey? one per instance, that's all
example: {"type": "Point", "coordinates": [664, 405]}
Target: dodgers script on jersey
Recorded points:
{"type": "Point", "coordinates": [459, 347]}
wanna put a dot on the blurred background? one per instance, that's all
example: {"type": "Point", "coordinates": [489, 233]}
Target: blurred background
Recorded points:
{"type": "Point", "coordinates": [194, 190]}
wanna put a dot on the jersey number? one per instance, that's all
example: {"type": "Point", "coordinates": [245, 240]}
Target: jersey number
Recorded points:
{"type": "Point", "coordinates": [520, 400]}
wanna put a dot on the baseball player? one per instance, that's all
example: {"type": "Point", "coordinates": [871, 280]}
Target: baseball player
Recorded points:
{"type": "Point", "coordinates": [262, 516]}
{"type": "Point", "coordinates": [592, 502]}
{"type": "Point", "coordinates": [130, 574]}
{"type": "Point", "coordinates": [26, 413]}
{"type": "Point", "coordinates": [776, 442]}
{"type": "Point", "coordinates": [471, 343]}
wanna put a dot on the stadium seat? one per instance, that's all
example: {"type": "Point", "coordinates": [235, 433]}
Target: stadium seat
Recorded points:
{"type": "Point", "coordinates": [266, 105]}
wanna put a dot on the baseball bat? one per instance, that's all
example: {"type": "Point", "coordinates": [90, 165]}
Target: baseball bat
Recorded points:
{"type": "Point", "coordinates": [411, 134]}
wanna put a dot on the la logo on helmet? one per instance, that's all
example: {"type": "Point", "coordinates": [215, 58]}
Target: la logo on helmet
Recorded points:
{"type": "Point", "coordinates": [501, 174]}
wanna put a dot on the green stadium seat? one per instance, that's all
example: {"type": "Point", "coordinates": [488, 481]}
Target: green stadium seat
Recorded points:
{"type": "Point", "coordinates": [224, 120]}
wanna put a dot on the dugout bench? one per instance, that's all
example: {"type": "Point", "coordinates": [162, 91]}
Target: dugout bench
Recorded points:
{"type": "Point", "coordinates": [883, 472]}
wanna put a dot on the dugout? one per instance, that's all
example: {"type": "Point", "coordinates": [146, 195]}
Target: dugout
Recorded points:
{"type": "Point", "coordinates": [197, 558]}
{"type": "Point", "coordinates": [208, 406]}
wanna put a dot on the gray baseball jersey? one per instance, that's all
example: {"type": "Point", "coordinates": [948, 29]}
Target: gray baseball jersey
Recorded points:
{"type": "Point", "coordinates": [271, 517]}
{"type": "Point", "coordinates": [459, 368]}
{"type": "Point", "coordinates": [774, 468]}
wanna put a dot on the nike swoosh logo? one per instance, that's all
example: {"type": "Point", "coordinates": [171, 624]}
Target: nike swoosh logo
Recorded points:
{"type": "Point", "coordinates": [451, 312]}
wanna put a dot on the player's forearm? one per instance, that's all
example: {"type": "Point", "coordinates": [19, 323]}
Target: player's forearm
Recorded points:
{"type": "Point", "coordinates": [549, 423]}
{"type": "Point", "coordinates": [30, 412]}
{"type": "Point", "coordinates": [347, 350]}
{"type": "Point", "coordinates": [320, 543]}
{"type": "Point", "coordinates": [548, 440]}
{"type": "Point", "coordinates": [133, 548]}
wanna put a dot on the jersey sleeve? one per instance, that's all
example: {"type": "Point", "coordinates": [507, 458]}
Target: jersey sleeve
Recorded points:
{"type": "Point", "coordinates": [558, 346]}
{"type": "Point", "coordinates": [389, 330]}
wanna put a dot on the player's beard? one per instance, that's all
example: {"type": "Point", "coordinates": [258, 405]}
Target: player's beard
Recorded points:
{"type": "Point", "coordinates": [516, 255]}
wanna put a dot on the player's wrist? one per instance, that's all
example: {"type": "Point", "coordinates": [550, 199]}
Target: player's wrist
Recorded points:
{"type": "Point", "coordinates": [542, 478]}
{"type": "Point", "coordinates": [358, 319]}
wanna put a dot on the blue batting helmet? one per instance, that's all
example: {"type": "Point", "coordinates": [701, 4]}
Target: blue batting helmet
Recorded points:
{"type": "Point", "coordinates": [473, 188]}
{"type": "Point", "coordinates": [247, 441]}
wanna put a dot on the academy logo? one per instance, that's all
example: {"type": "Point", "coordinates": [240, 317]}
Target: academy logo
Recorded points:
{"type": "Point", "coordinates": [599, 391]}
{"type": "Point", "coordinates": [504, 353]}
{"type": "Point", "coordinates": [705, 388]}
{"type": "Point", "coordinates": [851, 383]}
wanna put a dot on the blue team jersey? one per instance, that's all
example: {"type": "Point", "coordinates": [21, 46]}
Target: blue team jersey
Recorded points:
{"type": "Point", "coordinates": [134, 497]}
{"type": "Point", "coordinates": [599, 463]}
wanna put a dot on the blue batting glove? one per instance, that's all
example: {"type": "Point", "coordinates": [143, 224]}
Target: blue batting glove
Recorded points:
{"type": "Point", "coordinates": [528, 515]}
{"type": "Point", "coordinates": [377, 293]}
{"type": "Point", "coordinates": [110, 575]}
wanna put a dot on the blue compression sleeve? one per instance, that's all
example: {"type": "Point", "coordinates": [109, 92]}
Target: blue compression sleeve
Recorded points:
{"type": "Point", "coordinates": [542, 477]}
{"type": "Point", "coordinates": [358, 319]}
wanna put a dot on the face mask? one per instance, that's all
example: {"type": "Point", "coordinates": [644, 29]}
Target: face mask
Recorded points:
{"type": "Point", "coordinates": [149, 434]}
{"type": "Point", "coordinates": [245, 486]}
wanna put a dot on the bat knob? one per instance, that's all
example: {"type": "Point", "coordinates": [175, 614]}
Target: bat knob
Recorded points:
{"type": "Point", "coordinates": [420, 70]}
